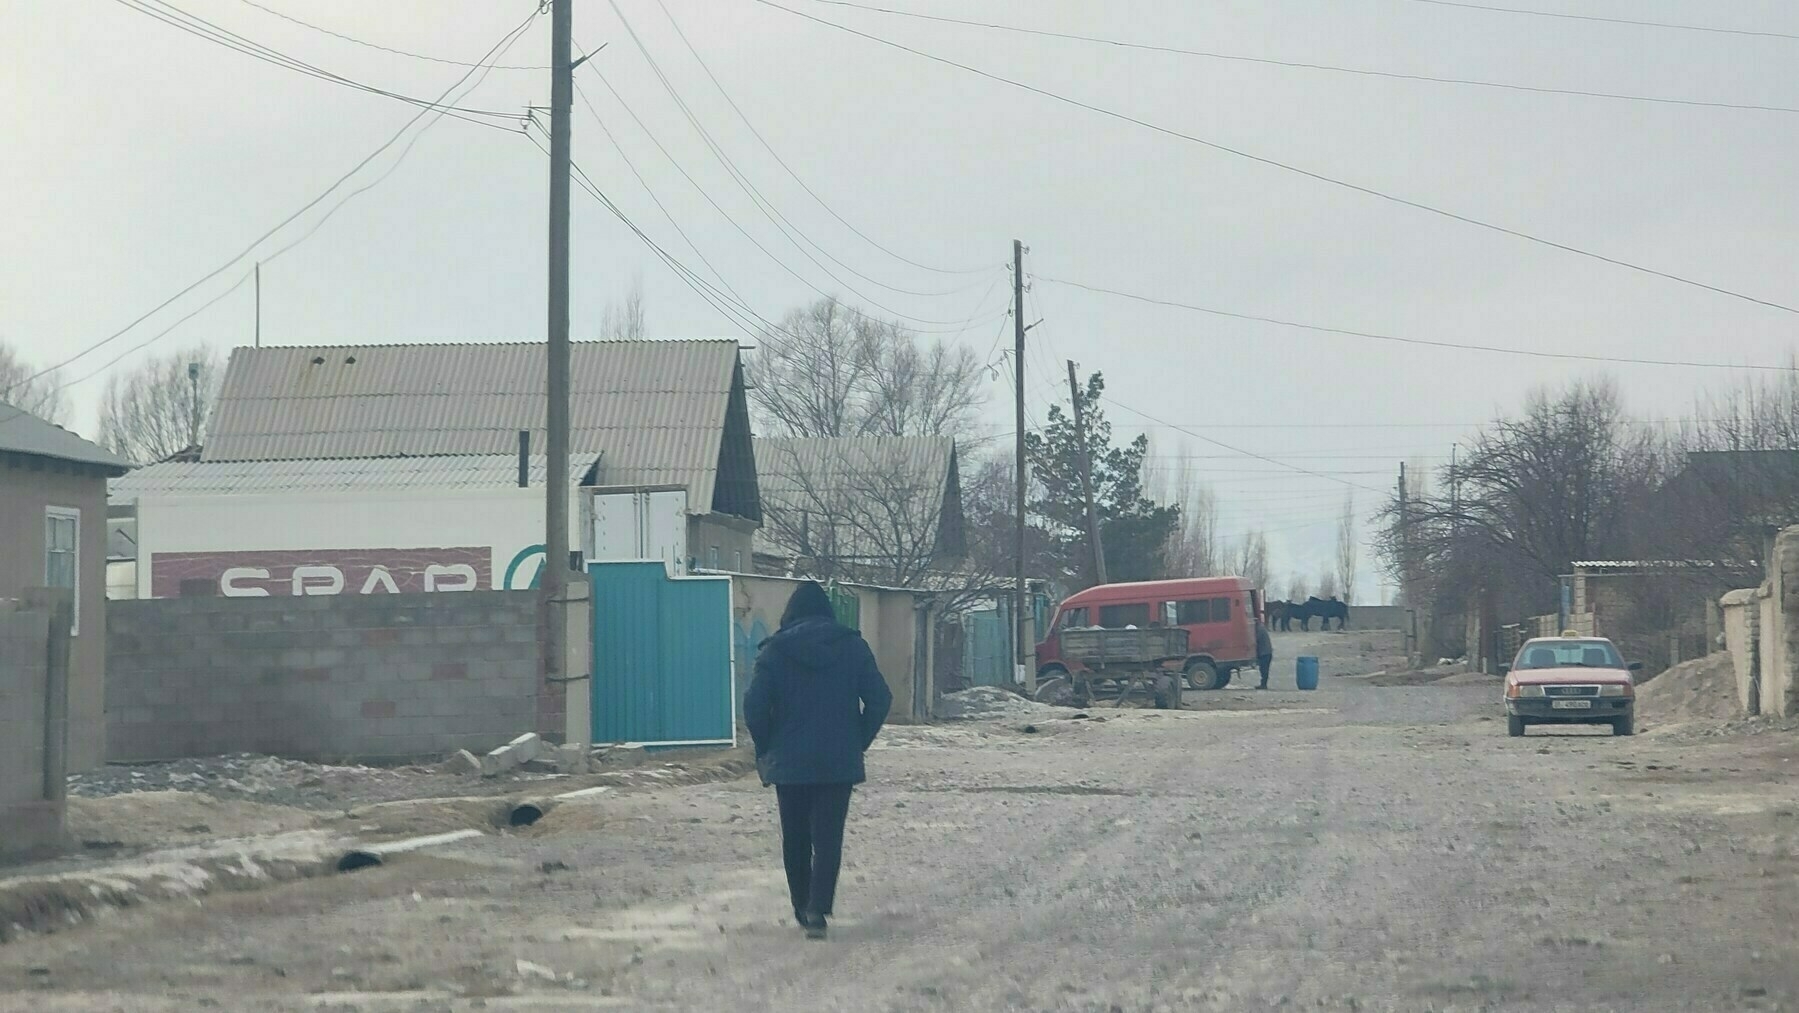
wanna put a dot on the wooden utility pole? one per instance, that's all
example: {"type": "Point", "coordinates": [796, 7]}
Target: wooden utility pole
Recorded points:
{"type": "Point", "coordinates": [1096, 550]}
{"type": "Point", "coordinates": [1021, 651]}
{"type": "Point", "coordinates": [554, 581]}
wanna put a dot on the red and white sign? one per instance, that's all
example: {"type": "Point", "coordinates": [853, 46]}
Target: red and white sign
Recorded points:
{"type": "Point", "coordinates": [276, 573]}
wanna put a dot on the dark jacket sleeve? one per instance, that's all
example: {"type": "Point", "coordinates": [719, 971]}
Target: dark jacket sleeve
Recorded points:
{"type": "Point", "coordinates": [759, 705]}
{"type": "Point", "coordinates": [877, 699]}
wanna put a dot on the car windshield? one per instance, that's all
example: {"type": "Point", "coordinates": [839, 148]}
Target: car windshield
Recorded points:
{"type": "Point", "coordinates": [1569, 654]}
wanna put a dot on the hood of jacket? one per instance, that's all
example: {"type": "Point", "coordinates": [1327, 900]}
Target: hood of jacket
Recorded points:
{"type": "Point", "coordinates": [813, 643]}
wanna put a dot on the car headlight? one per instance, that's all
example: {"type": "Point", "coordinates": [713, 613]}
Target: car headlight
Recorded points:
{"type": "Point", "coordinates": [1519, 690]}
{"type": "Point", "coordinates": [1617, 690]}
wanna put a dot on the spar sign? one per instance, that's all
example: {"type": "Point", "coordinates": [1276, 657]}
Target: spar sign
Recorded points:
{"type": "Point", "coordinates": [277, 573]}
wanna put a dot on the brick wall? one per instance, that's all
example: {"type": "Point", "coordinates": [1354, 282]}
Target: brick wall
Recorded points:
{"type": "Point", "coordinates": [29, 822]}
{"type": "Point", "coordinates": [326, 677]}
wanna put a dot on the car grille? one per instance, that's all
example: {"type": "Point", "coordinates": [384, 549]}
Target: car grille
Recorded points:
{"type": "Point", "coordinates": [1570, 690]}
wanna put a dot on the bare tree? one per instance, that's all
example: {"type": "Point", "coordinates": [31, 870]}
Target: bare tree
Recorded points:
{"type": "Point", "coordinates": [21, 387]}
{"type": "Point", "coordinates": [866, 510]}
{"type": "Point", "coordinates": [832, 370]}
{"type": "Point", "coordinates": [1251, 560]}
{"type": "Point", "coordinates": [1348, 548]}
{"type": "Point", "coordinates": [161, 407]}
{"type": "Point", "coordinates": [623, 320]}
{"type": "Point", "coordinates": [1193, 548]}
{"type": "Point", "coordinates": [1327, 582]}
{"type": "Point", "coordinates": [1297, 588]}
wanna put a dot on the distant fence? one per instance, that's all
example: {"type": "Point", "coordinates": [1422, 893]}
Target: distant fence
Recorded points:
{"type": "Point", "coordinates": [327, 676]}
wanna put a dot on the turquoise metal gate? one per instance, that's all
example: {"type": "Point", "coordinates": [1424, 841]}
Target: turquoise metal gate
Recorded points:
{"type": "Point", "coordinates": [986, 641]}
{"type": "Point", "coordinates": [661, 657]}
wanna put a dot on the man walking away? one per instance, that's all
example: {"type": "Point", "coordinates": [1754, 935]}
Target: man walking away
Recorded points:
{"type": "Point", "coordinates": [1264, 651]}
{"type": "Point", "coordinates": [814, 706]}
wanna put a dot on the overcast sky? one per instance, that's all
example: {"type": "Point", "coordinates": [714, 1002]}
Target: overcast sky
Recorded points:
{"type": "Point", "coordinates": [138, 158]}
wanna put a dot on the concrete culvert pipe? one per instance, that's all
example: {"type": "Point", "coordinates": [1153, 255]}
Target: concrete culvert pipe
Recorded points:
{"type": "Point", "coordinates": [526, 812]}
{"type": "Point", "coordinates": [370, 855]}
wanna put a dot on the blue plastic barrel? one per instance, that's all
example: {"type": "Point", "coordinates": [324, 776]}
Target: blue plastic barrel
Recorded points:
{"type": "Point", "coordinates": [1308, 673]}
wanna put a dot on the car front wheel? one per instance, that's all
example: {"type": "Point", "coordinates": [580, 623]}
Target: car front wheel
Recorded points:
{"type": "Point", "coordinates": [1514, 726]}
{"type": "Point", "coordinates": [1626, 725]}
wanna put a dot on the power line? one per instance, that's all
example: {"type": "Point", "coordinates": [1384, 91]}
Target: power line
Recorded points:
{"type": "Point", "coordinates": [198, 27]}
{"type": "Point", "coordinates": [1373, 336]}
{"type": "Point", "coordinates": [716, 206]}
{"type": "Point", "coordinates": [1300, 65]}
{"type": "Point", "coordinates": [440, 110]}
{"type": "Point", "coordinates": [1610, 21]}
{"type": "Point", "coordinates": [1239, 450]}
{"type": "Point", "coordinates": [385, 49]}
{"type": "Point", "coordinates": [790, 171]}
{"type": "Point", "coordinates": [1288, 167]}
{"type": "Point", "coordinates": [780, 221]}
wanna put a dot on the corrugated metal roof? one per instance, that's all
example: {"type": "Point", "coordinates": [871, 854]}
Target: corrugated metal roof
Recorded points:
{"type": "Point", "coordinates": [191, 478]}
{"type": "Point", "coordinates": [838, 479]}
{"type": "Point", "coordinates": [654, 410]}
{"type": "Point", "coordinates": [24, 433]}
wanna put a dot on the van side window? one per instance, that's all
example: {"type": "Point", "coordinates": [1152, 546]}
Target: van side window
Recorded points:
{"type": "Point", "coordinates": [1074, 619]}
{"type": "Point", "coordinates": [1193, 613]}
{"type": "Point", "coordinates": [1221, 610]}
{"type": "Point", "coordinates": [1115, 616]}
{"type": "Point", "coordinates": [1170, 615]}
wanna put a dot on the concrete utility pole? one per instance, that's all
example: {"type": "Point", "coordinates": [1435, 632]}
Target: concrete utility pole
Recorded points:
{"type": "Point", "coordinates": [1021, 651]}
{"type": "Point", "coordinates": [555, 558]}
{"type": "Point", "coordinates": [1096, 549]}
{"type": "Point", "coordinates": [258, 337]}
{"type": "Point", "coordinates": [1405, 555]}
{"type": "Point", "coordinates": [193, 404]}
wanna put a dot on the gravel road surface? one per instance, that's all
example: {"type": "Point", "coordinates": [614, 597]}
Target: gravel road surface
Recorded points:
{"type": "Point", "coordinates": [1357, 848]}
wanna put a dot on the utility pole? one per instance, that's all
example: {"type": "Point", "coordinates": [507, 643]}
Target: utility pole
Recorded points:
{"type": "Point", "coordinates": [1455, 495]}
{"type": "Point", "coordinates": [554, 582]}
{"type": "Point", "coordinates": [259, 304]}
{"type": "Point", "coordinates": [1020, 649]}
{"type": "Point", "coordinates": [1405, 549]}
{"type": "Point", "coordinates": [1096, 549]}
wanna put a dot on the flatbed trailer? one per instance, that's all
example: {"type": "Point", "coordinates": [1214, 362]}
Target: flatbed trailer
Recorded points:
{"type": "Point", "coordinates": [1121, 662]}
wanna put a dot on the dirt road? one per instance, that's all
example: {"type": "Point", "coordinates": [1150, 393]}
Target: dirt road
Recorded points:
{"type": "Point", "coordinates": [1360, 847]}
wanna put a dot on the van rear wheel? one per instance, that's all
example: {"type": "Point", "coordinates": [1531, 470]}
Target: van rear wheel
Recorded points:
{"type": "Point", "coordinates": [1203, 676]}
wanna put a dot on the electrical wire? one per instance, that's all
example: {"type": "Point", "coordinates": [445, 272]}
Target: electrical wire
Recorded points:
{"type": "Point", "coordinates": [790, 170]}
{"type": "Point", "coordinates": [174, 17]}
{"type": "Point", "coordinates": [782, 224]}
{"type": "Point", "coordinates": [385, 49]}
{"type": "Point", "coordinates": [1458, 346]}
{"type": "Point", "coordinates": [500, 47]}
{"type": "Point", "coordinates": [1239, 450]}
{"type": "Point", "coordinates": [1300, 65]}
{"type": "Point", "coordinates": [1610, 21]}
{"type": "Point", "coordinates": [1288, 167]}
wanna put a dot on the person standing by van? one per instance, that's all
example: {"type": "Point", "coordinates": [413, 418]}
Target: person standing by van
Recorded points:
{"type": "Point", "coordinates": [814, 706]}
{"type": "Point", "coordinates": [1264, 651]}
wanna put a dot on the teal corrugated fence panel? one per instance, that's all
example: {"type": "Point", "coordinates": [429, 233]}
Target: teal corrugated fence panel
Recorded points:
{"type": "Point", "coordinates": [662, 651]}
{"type": "Point", "coordinates": [987, 644]}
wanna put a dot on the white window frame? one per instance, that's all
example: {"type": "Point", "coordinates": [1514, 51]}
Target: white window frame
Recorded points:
{"type": "Point", "coordinates": [70, 514]}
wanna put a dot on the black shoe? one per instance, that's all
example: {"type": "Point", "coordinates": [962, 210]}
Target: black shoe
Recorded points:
{"type": "Point", "coordinates": [1262, 686]}
{"type": "Point", "coordinates": [815, 926]}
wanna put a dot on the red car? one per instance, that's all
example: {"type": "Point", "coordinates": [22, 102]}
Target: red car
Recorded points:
{"type": "Point", "coordinates": [1218, 613]}
{"type": "Point", "coordinates": [1570, 679]}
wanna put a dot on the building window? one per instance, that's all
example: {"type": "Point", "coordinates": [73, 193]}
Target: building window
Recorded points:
{"type": "Point", "coordinates": [62, 555]}
{"type": "Point", "coordinates": [712, 558]}
{"type": "Point", "coordinates": [739, 567]}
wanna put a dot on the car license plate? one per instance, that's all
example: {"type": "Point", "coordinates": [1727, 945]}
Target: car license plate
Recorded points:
{"type": "Point", "coordinates": [1571, 705]}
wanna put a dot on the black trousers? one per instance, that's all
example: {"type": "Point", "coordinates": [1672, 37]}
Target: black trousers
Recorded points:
{"type": "Point", "coordinates": [812, 818]}
{"type": "Point", "coordinates": [1263, 663]}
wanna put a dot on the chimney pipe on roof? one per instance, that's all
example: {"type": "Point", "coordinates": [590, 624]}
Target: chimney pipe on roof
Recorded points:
{"type": "Point", "coordinates": [524, 458]}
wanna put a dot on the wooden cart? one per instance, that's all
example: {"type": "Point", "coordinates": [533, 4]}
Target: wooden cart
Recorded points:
{"type": "Point", "coordinates": [1123, 662]}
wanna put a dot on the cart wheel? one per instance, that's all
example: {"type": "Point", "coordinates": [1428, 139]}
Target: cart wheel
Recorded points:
{"type": "Point", "coordinates": [1168, 693]}
{"type": "Point", "coordinates": [1083, 693]}
{"type": "Point", "coordinates": [1056, 690]}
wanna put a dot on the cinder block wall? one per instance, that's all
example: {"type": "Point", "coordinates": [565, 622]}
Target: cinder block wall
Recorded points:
{"type": "Point", "coordinates": [27, 822]}
{"type": "Point", "coordinates": [326, 677]}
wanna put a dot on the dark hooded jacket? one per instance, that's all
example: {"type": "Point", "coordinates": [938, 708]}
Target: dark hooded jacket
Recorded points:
{"type": "Point", "coordinates": [815, 704]}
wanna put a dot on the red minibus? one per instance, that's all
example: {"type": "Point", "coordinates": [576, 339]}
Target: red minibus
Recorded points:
{"type": "Point", "coordinates": [1218, 613]}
